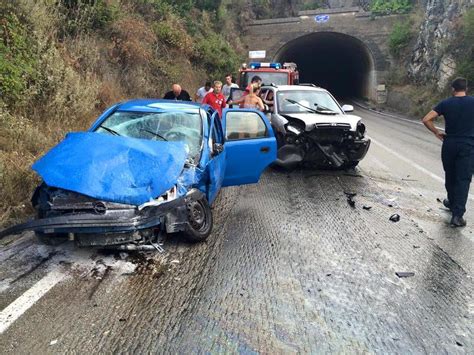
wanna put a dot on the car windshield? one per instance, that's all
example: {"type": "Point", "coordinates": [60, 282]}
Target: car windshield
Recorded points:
{"type": "Point", "coordinates": [267, 78]}
{"type": "Point", "coordinates": [165, 126]}
{"type": "Point", "coordinates": [295, 101]}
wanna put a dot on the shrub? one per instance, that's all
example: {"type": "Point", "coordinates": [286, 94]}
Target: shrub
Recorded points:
{"type": "Point", "coordinates": [173, 35]}
{"type": "Point", "coordinates": [217, 56]}
{"type": "Point", "coordinates": [386, 7]}
{"type": "Point", "coordinates": [86, 15]}
{"type": "Point", "coordinates": [18, 60]}
{"type": "Point", "coordinates": [466, 55]}
{"type": "Point", "coordinates": [399, 38]}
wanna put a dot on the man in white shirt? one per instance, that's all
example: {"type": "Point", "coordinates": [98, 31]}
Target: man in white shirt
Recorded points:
{"type": "Point", "coordinates": [227, 86]}
{"type": "Point", "coordinates": [203, 91]}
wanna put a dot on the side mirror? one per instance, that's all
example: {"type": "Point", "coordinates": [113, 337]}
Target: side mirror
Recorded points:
{"type": "Point", "coordinates": [348, 108]}
{"type": "Point", "coordinates": [217, 148]}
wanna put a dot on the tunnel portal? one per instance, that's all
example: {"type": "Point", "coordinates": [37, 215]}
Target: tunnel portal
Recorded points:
{"type": "Point", "coordinates": [338, 62]}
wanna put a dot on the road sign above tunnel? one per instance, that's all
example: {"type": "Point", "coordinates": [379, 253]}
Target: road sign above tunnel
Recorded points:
{"type": "Point", "coordinates": [321, 18]}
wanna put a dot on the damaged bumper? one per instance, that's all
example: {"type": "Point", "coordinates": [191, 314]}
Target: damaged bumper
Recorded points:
{"type": "Point", "coordinates": [335, 155]}
{"type": "Point", "coordinates": [104, 226]}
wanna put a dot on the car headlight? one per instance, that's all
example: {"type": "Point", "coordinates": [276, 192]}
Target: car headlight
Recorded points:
{"type": "Point", "coordinates": [168, 196]}
{"type": "Point", "coordinates": [360, 129]}
{"type": "Point", "coordinates": [293, 130]}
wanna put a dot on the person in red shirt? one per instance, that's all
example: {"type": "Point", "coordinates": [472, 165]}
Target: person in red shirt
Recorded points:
{"type": "Point", "coordinates": [215, 98]}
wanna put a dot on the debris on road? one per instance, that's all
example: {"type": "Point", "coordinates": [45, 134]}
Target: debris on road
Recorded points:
{"type": "Point", "coordinates": [350, 198]}
{"type": "Point", "coordinates": [395, 217]}
{"type": "Point", "coordinates": [401, 274]}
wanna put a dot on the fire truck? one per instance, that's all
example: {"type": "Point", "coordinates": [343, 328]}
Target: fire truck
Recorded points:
{"type": "Point", "coordinates": [271, 73]}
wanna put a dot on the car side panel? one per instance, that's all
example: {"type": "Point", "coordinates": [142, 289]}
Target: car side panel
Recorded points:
{"type": "Point", "coordinates": [247, 158]}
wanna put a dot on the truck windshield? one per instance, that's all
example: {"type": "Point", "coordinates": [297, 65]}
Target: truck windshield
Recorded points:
{"type": "Point", "coordinates": [294, 101]}
{"type": "Point", "coordinates": [164, 126]}
{"type": "Point", "coordinates": [268, 78]}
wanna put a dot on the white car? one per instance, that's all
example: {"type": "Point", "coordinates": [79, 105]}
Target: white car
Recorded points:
{"type": "Point", "coordinates": [313, 129]}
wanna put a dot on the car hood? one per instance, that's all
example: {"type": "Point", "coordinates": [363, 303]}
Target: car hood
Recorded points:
{"type": "Point", "coordinates": [311, 119]}
{"type": "Point", "coordinates": [112, 168]}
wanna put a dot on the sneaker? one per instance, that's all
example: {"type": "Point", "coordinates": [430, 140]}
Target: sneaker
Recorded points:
{"type": "Point", "coordinates": [447, 204]}
{"type": "Point", "coordinates": [457, 221]}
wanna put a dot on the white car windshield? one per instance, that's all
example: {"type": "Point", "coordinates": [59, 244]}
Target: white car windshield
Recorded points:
{"type": "Point", "coordinates": [164, 126]}
{"type": "Point", "coordinates": [297, 101]}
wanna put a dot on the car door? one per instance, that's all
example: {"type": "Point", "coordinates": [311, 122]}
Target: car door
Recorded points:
{"type": "Point", "coordinates": [217, 161]}
{"type": "Point", "coordinates": [250, 146]}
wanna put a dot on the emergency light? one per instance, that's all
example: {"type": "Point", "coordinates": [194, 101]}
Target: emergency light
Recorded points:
{"type": "Point", "coordinates": [256, 65]}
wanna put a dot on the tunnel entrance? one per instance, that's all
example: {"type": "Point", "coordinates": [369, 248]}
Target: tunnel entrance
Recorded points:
{"type": "Point", "coordinates": [337, 62]}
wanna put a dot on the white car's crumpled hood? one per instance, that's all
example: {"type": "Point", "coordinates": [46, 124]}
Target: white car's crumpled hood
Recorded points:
{"type": "Point", "coordinates": [310, 119]}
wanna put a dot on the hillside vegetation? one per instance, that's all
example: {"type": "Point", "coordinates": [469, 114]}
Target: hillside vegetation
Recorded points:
{"type": "Point", "coordinates": [62, 62]}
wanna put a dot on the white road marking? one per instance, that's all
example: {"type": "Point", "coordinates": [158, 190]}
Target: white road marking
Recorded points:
{"type": "Point", "coordinates": [15, 309]}
{"type": "Point", "coordinates": [412, 163]}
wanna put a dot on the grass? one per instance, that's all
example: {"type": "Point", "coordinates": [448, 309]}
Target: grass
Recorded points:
{"type": "Point", "coordinates": [63, 62]}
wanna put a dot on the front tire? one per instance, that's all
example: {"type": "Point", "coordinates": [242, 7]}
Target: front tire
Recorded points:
{"type": "Point", "coordinates": [199, 220]}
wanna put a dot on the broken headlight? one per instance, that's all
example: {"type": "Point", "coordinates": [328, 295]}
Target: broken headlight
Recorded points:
{"type": "Point", "coordinates": [360, 129]}
{"type": "Point", "coordinates": [168, 196]}
{"type": "Point", "coordinates": [293, 130]}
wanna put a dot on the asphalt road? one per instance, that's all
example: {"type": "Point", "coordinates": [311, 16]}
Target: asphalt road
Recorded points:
{"type": "Point", "coordinates": [290, 267]}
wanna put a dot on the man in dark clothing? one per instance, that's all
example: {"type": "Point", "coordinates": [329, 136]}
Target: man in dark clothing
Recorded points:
{"type": "Point", "coordinates": [457, 152]}
{"type": "Point", "coordinates": [177, 93]}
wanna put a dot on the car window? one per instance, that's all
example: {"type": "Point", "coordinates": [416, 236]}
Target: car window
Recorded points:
{"type": "Point", "coordinates": [242, 125]}
{"type": "Point", "coordinates": [166, 126]}
{"type": "Point", "coordinates": [277, 78]}
{"type": "Point", "coordinates": [295, 101]}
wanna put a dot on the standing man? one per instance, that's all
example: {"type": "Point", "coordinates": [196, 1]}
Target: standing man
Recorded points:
{"type": "Point", "coordinates": [227, 86]}
{"type": "Point", "coordinates": [202, 92]}
{"type": "Point", "coordinates": [215, 99]}
{"type": "Point", "coordinates": [255, 80]}
{"type": "Point", "coordinates": [457, 152]}
{"type": "Point", "coordinates": [177, 93]}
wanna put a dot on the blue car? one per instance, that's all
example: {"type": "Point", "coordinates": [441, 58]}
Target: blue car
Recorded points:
{"type": "Point", "coordinates": [146, 167]}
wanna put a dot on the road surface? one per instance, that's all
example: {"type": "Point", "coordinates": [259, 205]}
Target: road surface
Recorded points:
{"type": "Point", "coordinates": [290, 267]}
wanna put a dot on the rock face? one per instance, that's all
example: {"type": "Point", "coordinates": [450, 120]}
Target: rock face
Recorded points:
{"type": "Point", "coordinates": [432, 60]}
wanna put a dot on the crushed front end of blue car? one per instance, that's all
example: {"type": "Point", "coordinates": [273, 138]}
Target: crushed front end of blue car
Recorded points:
{"type": "Point", "coordinates": [105, 189]}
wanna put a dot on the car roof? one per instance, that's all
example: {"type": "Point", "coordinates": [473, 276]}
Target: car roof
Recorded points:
{"type": "Point", "coordinates": [294, 87]}
{"type": "Point", "coordinates": [158, 105]}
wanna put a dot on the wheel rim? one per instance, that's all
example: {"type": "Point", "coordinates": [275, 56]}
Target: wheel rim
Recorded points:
{"type": "Point", "coordinates": [197, 215]}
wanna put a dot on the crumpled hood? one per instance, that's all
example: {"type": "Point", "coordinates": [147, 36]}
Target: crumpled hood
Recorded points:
{"type": "Point", "coordinates": [112, 168]}
{"type": "Point", "coordinates": [310, 119]}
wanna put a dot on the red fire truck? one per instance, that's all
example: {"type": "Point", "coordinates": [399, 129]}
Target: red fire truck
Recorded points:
{"type": "Point", "coordinates": [271, 73]}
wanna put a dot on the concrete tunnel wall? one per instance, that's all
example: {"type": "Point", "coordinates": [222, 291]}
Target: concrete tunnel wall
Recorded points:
{"type": "Point", "coordinates": [338, 62]}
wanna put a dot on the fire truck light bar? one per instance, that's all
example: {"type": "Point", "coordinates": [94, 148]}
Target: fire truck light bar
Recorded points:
{"type": "Point", "coordinates": [256, 65]}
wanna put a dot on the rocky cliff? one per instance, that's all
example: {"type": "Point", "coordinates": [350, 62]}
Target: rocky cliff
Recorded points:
{"type": "Point", "coordinates": [433, 59]}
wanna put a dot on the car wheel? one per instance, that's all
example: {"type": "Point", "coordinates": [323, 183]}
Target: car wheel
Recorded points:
{"type": "Point", "coordinates": [51, 239]}
{"type": "Point", "coordinates": [199, 220]}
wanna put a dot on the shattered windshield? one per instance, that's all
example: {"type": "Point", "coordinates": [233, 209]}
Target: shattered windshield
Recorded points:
{"type": "Point", "coordinates": [306, 101]}
{"type": "Point", "coordinates": [164, 126]}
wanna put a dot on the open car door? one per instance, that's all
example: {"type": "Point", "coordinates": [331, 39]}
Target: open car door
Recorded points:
{"type": "Point", "coordinates": [250, 146]}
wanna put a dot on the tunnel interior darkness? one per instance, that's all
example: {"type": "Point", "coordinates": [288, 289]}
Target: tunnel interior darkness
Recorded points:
{"type": "Point", "coordinates": [335, 61]}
